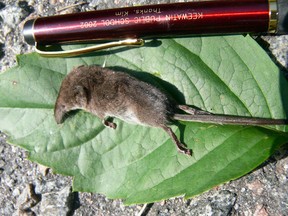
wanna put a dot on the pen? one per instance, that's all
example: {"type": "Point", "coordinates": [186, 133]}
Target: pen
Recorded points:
{"type": "Point", "coordinates": [132, 25]}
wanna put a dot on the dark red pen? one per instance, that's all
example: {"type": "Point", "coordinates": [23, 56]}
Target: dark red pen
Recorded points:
{"type": "Point", "coordinates": [131, 25]}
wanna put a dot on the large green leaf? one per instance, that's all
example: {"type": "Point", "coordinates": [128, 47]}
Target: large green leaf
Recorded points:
{"type": "Point", "coordinates": [227, 75]}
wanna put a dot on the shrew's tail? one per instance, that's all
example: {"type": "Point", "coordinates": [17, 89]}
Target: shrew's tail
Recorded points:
{"type": "Point", "coordinates": [226, 119]}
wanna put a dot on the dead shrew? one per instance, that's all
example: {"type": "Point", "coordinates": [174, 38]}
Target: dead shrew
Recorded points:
{"type": "Point", "coordinates": [106, 93]}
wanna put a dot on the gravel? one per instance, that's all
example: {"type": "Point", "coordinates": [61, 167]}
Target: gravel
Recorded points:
{"type": "Point", "coordinates": [30, 189]}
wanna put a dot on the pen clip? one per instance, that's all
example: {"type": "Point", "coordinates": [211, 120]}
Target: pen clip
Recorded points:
{"type": "Point", "coordinates": [82, 51]}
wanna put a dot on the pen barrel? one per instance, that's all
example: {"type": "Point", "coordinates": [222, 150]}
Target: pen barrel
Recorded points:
{"type": "Point", "coordinates": [164, 20]}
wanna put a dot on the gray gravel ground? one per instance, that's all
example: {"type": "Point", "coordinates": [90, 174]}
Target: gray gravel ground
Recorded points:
{"type": "Point", "coordinates": [26, 189]}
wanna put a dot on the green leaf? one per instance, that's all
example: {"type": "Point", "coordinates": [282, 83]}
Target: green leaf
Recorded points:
{"type": "Point", "coordinates": [226, 75]}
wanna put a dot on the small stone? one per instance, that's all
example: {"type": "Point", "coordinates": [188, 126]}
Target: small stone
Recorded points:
{"type": "Point", "coordinates": [31, 2]}
{"type": "Point", "coordinates": [94, 3]}
{"type": "Point", "coordinates": [16, 192]}
{"type": "Point", "coordinates": [1, 146]}
{"type": "Point", "coordinates": [22, 4]}
{"type": "Point", "coordinates": [10, 169]}
{"type": "Point", "coordinates": [25, 6]}
{"type": "Point", "coordinates": [12, 15]}
{"type": "Point", "coordinates": [2, 163]}
{"type": "Point", "coordinates": [40, 8]}
{"type": "Point", "coordinates": [222, 202]}
{"type": "Point", "coordinates": [43, 169]}
{"type": "Point", "coordinates": [55, 203]}
{"type": "Point", "coordinates": [28, 199]}
{"type": "Point", "coordinates": [3, 136]}
{"type": "Point", "coordinates": [256, 187]}
{"type": "Point", "coordinates": [52, 2]}
{"type": "Point", "coordinates": [260, 211]}
{"type": "Point", "coordinates": [282, 170]}
{"type": "Point", "coordinates": [26, 213]}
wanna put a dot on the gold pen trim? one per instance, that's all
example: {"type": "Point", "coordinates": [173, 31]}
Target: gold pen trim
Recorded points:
{"type": "Point", "coordinates": [86, 50]}
{"type": "Point", "coordinates": [273, 16]}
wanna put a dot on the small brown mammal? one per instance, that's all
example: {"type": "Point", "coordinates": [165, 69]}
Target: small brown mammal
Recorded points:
{"type": "Point", "coordinates": [106, 93]}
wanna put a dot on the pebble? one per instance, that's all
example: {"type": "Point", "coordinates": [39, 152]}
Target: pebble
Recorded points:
{"type": "Point", "coordinates": [2, 163]}
{"type": "Point", "coordinates": [16, 192]}
{"type": "Point", "coordinates": [260, 211]}
{"type": "Point", "coordinates": [43, 169]}
{"type": "Point", "coordinates": [220, 203]}
{"type": "Point", "coordinates": [28, 199]}
{"type": "Point", "coordinates": [94, 3]}
{"type": "Point", "coordinates": [40, 8]}
{"type": "Point", "coordinates": [282, 170]}
{"type": "Point", "coordinates": [55, 203]}
{"type": "Point", "coordinates": [256, 187]}
{"type": "Point", "coordinates": [12, 15]}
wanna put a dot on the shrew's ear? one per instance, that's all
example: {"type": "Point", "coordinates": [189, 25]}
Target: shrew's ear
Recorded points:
{"type": "Point", "coordinates": [81, 95]}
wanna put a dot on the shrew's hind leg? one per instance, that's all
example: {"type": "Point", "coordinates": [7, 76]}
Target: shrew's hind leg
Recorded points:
{"type": "Point", "coordinates": [192, 111]}
{"type": "Point", "coordinates": [180, 146]}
